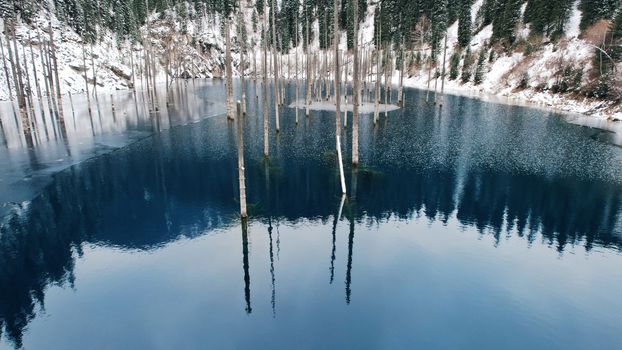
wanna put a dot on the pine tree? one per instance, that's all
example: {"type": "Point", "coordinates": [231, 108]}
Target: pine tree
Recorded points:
{"type": "Point", "coordinates": [464, 23]}
{"type": "Point", "coordinates": [439, 25]}
{"type": "Point", "coordinates": [548, 16]}
{"type": "Point", "coordinates": [486, 12]}
{"type": "Point", "coordinates": [504, 24]}
{"type": "Point", "coordinates": [479, 70]}
{"type": "Point", "coordinates": [466, 66]}
{"type": "Point", "coordinates": [593, 10]}
{"type": "Point", "coordinates": [454, 65]}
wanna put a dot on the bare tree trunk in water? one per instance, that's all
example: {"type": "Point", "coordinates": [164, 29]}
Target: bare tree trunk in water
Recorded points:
{"type": "Point", "coordinates": [6, 70]}
{"type": "Point", "coordinates": [387, 82]}
{"type": "Point", "coordinates": [38, 87]}
{"type": "Point", "coordinates": [61, 114]}
{"type": "Point", "coordinates": [242, 180]}
{"type": "Point", "coordinates": [296, 68]}
{"type": "Point", "coordinates": [427, 94]}
{"type": "Point", "coordinates": [443, 73]}
{"type": "Point", "coordinates": [19, 86]}
{"type": "Point", "coordinates": [281, 69]}
{"type": "Point", "coordinates": [29, 92]}
{"type": "Point", "coordinates": [345, 89]}
{"type": "Point", "coordinates": [400, 89]}
{"type": "Point", "coordinates": [355, 86]}
{"type": "Point", "coordinates": [154, 75]}
{"type": "Point", "coordinates": [132, 64]}
{"type": "Point", "coordinates": [308, 74]}
{"type": "Point", "coordinates": [377, 92]}
{"type": "Point", "coordinates": [86, 82]}
{"type": "Point", "coordinates": [435, 80]}
{"type": "Point", "coordinates": [266, 117]}
{"type": "Point", "coordinates": [229, 71]}
{"type": "Point", "coordinates": [46, 74]}
{"type": "Point", "coordinates": [276, 72]}
{"type": "Point", "coordinates": [337, 80]}
{"type": "Point", "coordinates": [255, 73]}
{"type": "Point", "coordinates": [242, 62]}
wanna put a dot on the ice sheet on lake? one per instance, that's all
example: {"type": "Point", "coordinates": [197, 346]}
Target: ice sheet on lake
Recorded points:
{"type": "Point", "coordinates": [365, 108]}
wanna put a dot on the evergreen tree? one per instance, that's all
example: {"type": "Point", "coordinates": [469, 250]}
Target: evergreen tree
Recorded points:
{"type": "Point", "coordinates": [479, 70]}
{"type": "Point", "coordinates": [505, 22]}
{"type": "Point", "coordinates": [464, 23]}
{"type": "Point", "coordinates": [466, 66]}
{"type": "Point", "coordinates": [486, 12]}
{"type": "Point", "coordinates": [594, 10]}
{"type": "Point", "coordinates": [548, 16]}
{"type": "Point", "coordinates": [454, 65]}
{"type": "Point", "coordinates": [439, 25]}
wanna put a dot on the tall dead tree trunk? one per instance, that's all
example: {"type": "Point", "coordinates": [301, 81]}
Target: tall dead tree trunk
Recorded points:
{"type": "Point", "coordinates": [242, 62]}
{"type": "Point", "coordinates": [45, 74]}
{"type": "Point", "coordinates": [377, 90]}
{"type": "Point", "coordinates": [387, 79]}
{"type": "Point", "coordinates": [443, 72]}
{"type": "Point", "coordinates": [29, 92]}
{"type": "Point", "coordinates": [38, 87]}
{"type": "Point", "coordinates": [19, 85]}
{"type": "Point", "coordinates": [276, 71]}
{"type": "Point", "coordinates": [61, 115]}
{"type": "Point", "coordinates": [6, 70]}
{"type": "Point", "coordinates": [229, 71]}
{"type": "Point", "coordinates": [337, 80]}
{"type": "Point", "coordinates": [241, 177]}
{"type": "Point", "coordinates": [308, 74]}
{"type": "Point", "coordinates": [86, 82]}
{"type": "Point", "coordinates": [345, 89]}
{"type": "Point", "coordinates": [355, 86]}
{"type": "Point", "coordinates": [400, 89]}
{"type": "Point", "coordinates": [296, 72]}
{"type": "Point", "coordinates": [266, 117]}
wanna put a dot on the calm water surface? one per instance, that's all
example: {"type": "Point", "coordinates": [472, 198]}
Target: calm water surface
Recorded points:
{"type": "Point", "coordinates": [476, 226]}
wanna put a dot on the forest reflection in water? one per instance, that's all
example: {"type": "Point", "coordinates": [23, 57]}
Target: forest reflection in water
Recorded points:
{"type": "Point", "coordinates": [181, 184]}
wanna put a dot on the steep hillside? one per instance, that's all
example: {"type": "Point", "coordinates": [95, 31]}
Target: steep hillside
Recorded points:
{"type": "Point", "coordinates": [555, 73]}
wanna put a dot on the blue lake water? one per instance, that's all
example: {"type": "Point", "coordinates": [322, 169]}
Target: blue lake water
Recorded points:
{"type": "Point", "coordinates": [478, 225]}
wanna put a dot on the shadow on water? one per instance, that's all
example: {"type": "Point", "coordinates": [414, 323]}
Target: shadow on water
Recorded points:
{"type": "Point", "coordinates": [477, 163]}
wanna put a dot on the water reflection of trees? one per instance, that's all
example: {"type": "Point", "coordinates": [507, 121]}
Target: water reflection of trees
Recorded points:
{"type": "Point", "coordinates": [184, 183]}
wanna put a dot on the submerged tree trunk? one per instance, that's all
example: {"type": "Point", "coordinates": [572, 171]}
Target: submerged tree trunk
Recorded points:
{"type": "Point", "coordinates": [86, 83]}
{"type": "Point", "coordinates": [377, 89]}
{"type": "Point", "coordinates": [61, 115]}
{"type": "Point", "coordinates": [400, 89]}
{"type": "Point", "coordinates": [241, 178]}
{"type": "Point", "coordinates": [266, 117]}
{"type": "Point", "coordinates": [276, 72]}
{"type": "Point", "coordinates": [6, 70]}
{"type": "Point", "coordinates": [355, 86]}
{"type": "Point", "coordinates": [19, 85]}
{"type": "Point", "coordinates": [387, 79]}
{"type": "Point", "coordinates": [337, 80]}
{"type": "Point", "coordinates": [308, 74]}
{"type": "Point", "coordinates": [296, 72]}
{"type": "Point", "coordinates": [38, 87]}
{"type": "Point", "coordinates": [229, 71]}
{"type": "Point", "coordinates": [46, 74]}
{"type": "Point", "coordinates": [345, 89]}
{"type": "Point", "coordinates": [443, 71]}
{"type": "Point", "coordinates": [242, 62]}
{"type": "Point", "coordinates": [427, 94]}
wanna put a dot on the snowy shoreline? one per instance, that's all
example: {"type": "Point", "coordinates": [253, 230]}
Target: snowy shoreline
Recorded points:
{"type": "Point", "coordinates": [528, 98]}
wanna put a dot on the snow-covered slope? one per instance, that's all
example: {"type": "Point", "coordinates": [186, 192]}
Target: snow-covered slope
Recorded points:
{"type": "Point", "coordinates": [199, 49]}
{"type": "Point", "coordinates": [503, 75]}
